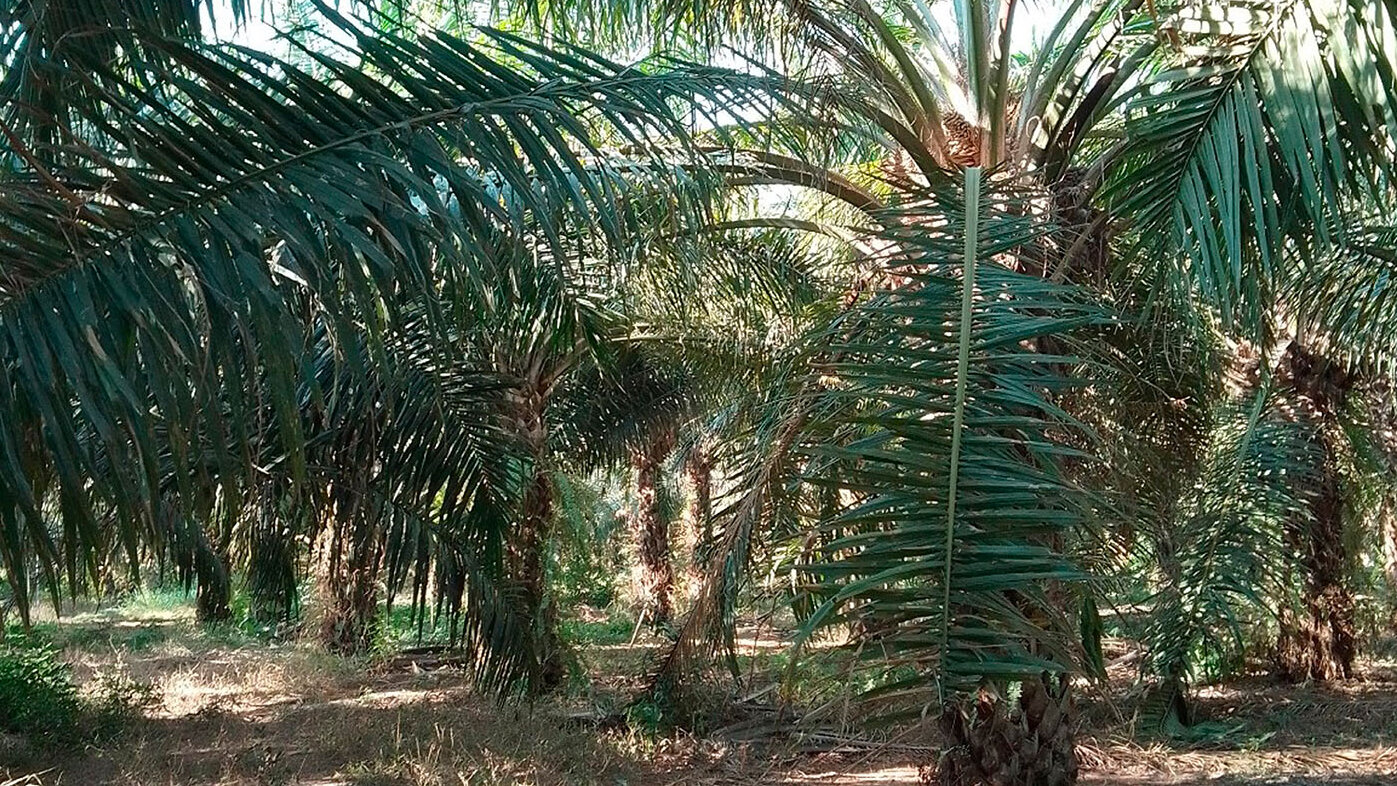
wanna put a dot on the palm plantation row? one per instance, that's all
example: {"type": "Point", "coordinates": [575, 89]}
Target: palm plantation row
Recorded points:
{"type": "Point", "coordinates": [969, 340]}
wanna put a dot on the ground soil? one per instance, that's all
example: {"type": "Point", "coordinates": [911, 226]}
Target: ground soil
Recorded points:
{"type": "Point", "coordinates": [241, 713]}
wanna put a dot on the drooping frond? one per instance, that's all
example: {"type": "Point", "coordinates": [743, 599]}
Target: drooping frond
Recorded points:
{"type": "Point", "coordinates": [47, 47]}
{"type": "Point", "coordinates": [1221, 552]}
{"type": "Point", "coordinates": [949, 455]}
{"type": "Point", "coordinates": [1247, 134]}
{"type": "Point", "coordinates": [158, 276]}
{"type": "Point", "coordinates": [1347, 295]}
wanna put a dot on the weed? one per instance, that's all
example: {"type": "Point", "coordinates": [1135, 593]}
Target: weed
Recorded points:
{"type": "Point", "coordinates": [583, 633]}
{"type": "Point", "coordinates": [37, 695]}
{"type": "Point", "coordinates": [157, 601]}
{"type": "Point", "coordinates": [114, 701]}
{"type": "Point", "coordinates": [39, 700]}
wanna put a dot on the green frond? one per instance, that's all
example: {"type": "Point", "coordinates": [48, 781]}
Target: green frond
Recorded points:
{"type": "Point", "coordinates": [159, 275]}
{"type": "Point", "coordinates": [1345, 296]}
{"type": "Point", "coordinates": [949, 453]}
{"type": "Point", "coordinates": [1245, 137]}
{"type": "Point", "coordinates": [1222, 555]}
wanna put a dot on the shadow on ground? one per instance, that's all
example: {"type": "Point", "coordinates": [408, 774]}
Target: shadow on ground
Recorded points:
{"type": "Point", "coordinates": [240, 712]}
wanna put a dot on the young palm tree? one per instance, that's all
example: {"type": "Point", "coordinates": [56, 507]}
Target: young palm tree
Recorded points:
{"type": "Point", "coordinates": [625, 413]}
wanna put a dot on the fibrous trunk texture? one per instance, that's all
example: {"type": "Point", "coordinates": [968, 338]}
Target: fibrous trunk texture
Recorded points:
{"type": "Point", "coordinates": [1389, 564]}
{"type": "Point", "coordinates": [213, 599]}
{"type": "Point", "coordinates": [271, 575]}
{"type": "Point", "coordinates": [354, 557]}
{"type": "Point", "coordinates": [700, 471]}
{"type": "Point", "coordinates": [1319, 641]}
{"type": "Point", "coordinates": [349, 585]}
{"type": "Point", "coordinates": [1378, 403]}
{"type": "Point", "coordinates": [652, 532]}
{"type": "Point", "coordinates": [526, 546]}
{"type": "Point", "coordinates": [993, 741]}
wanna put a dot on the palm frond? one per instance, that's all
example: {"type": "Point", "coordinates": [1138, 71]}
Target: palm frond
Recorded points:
{"type": "Point", "coordinates": [949, 455]}
{"type": "Point", "coordinates": [1223, 557]}
{"type": "Point", "coordinates": [164, 269]}
{"type": "Point", "coordinates": [1245, 136]}
{"type": "Point", "coordinates": [1345, 295]}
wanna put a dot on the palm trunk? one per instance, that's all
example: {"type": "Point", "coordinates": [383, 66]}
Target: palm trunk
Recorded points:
{"type": "Point", "coordinates": [213, 598]}
{"type": "Point", "coordinates": [1319, 640]}
{"type": "Point", "coordinates": [271, 572]}
{"type": "Point", "coordinates": [1383, 421]}
{"type": "Point", "coordinates": [652, 532]}
{"type": "Point", "coordinates": [700, 471]}
{"type": "Point", "coordinates": [1389, 564]}
{"type": "Point", "coordinates": [995, 741]}
{"type": "Point", "coordinates": [349, 585]}
{"type": "Point", "coordinates": [526, 548]}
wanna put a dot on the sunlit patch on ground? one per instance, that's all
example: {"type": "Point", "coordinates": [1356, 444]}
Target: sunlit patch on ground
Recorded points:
{"type": "Point", "coordinates": [237, 713]}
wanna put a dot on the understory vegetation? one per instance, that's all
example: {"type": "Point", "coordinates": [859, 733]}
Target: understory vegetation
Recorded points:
{"type": "Point", "coordinates": [995, 384]}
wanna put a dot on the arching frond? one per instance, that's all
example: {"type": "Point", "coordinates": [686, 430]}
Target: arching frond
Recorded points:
{"type": "Point", "coordinates": [158, 277]}
{"type": "Point", "coordinates": [1222, 556]}
{"type": "Point", "coordinates": [1246, 135]}
{"type": "Point", "coordinates": [950, 461]}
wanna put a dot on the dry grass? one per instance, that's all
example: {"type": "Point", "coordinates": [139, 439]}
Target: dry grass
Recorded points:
{"type": "Point", "coordinates": [262, 714]}
{"type": "Point", "coordinates": [235, 714]}
{"type": "Point", "coordinates": [284, 716]}
{"type": "Point", "coordinates": [1268, 732]}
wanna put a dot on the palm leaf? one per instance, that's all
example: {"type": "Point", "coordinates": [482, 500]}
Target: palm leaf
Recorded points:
{"type": "Point", "coordinates": [950, 453]}
{"type": "Point", "coordinates": [1223, 560]}
{"type": "Point", "coordinates": [1244, 137]}
{"type": "Point", "coordinates": [165, 268]}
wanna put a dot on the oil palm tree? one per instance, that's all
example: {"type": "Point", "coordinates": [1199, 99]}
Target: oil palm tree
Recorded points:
{"type": "Point", "coordinates": [626, 413]}
{"type": "Point", "coordinates": [1207, 152]}
{"type": "Point", "coordinates": [1004, 215]}
{"type": "Point", "coordinates": [228, 238]}
{"type": "Point", "coordinates": [682, 330]}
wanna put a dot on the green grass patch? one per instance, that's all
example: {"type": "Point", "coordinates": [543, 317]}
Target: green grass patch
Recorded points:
{"type": "Point", "coordinates": [582, 633]}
